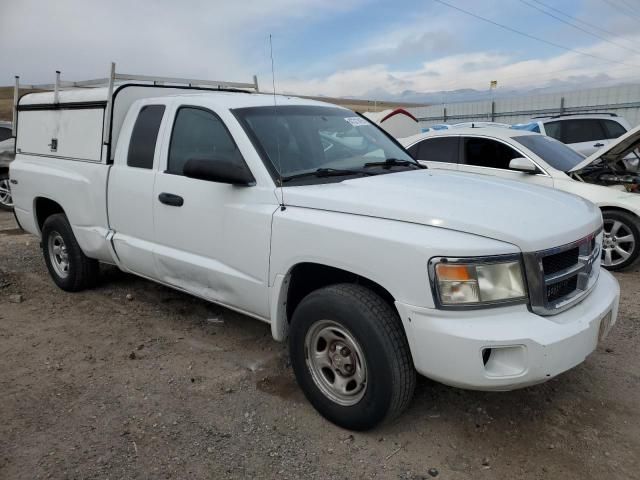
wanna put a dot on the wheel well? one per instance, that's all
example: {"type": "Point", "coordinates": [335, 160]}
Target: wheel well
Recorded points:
{"type": "Point", "coordinates": [44, 208]}
{"type": "Point", "coordinates": [304, 278]}
{"type": "Point", "coordinates": [617, 209]}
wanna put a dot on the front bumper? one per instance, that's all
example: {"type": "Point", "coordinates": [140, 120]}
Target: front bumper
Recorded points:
{"type": "Point", "coordinates": [526, 348]}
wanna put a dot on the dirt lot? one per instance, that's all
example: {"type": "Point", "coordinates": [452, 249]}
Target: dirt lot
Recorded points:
{"type": "Point", "coordinates": [161, 385]}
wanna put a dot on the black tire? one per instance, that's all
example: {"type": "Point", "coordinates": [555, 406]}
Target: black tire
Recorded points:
{"type": "Point", "coordinates": [82, 272]}
{"type": "Point", "coordinates": [372, 322]}
{"type": "Point", "coordinates": [630, 226]}
{"type": "Point", "coordinates": [6, 200]}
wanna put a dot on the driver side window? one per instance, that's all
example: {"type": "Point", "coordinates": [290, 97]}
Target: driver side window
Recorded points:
{"type": "Point", "coordinates": [199, 134]}
{"type": "Point", "coordinates": [485, 152]}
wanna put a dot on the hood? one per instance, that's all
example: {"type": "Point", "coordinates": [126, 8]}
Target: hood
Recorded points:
{"type": "Point", "coordinates": [530, 217]}
{"type": "Point", "coordinates": [614, 151]}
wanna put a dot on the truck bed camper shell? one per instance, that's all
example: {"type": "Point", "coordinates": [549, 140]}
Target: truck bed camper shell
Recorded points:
{"type": "Point", "coordinates": [81, 120]}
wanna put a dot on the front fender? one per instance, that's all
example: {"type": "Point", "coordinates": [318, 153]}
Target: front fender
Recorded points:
{"type": "Point", "coordinates": [391, 253]}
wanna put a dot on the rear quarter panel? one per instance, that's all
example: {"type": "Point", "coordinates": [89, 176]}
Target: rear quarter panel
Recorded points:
{"type": "Point", "coordinates": [79, 187]}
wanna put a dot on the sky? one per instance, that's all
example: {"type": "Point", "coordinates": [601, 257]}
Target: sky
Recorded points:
{"type": "Point", "coordinates": [357, 48]}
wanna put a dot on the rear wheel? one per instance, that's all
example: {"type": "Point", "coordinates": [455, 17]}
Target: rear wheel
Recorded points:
{"type": "Point", "coordinates": [6, 200]}
{"type": "Point", "coordinates": [621, 243]}
{"type": "Point", "coordinates": [351, 357]}
{"type": "Point", "coordinates": [68, 266]}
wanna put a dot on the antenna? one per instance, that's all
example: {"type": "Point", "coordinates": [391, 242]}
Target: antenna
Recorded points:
{"type": "Point", "coordinates": [275, 112]}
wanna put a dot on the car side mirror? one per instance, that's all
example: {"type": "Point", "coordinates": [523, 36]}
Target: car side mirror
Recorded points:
{"type": "Point", "coordinates": [220, 171]}
{"type": "Point", "coordinates": [524, 165]}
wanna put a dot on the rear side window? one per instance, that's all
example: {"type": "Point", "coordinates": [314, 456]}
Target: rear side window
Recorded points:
{"type": "Point", "coordinates": [443, 149]}
{"type": "Point", "coordinates": [581, 130]}
{"type": "Point", "coordinates": [613, 129]}
{"type": "Point", "coordinates": [200, 134]}
{"type": "Point", "coordinates": [554, 130]}
{"type": "Point", "coordinates": [142, 146]}
{"type": "Point", "coordinates": [485, 152]}
{"type": "Point", "coordinates": [5, 134]}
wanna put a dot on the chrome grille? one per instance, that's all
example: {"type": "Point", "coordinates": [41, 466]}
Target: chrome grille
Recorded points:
{"type": "Point", "coordinates": [559, 261]}
{"type": "Point", "coordinates": [560, 277]}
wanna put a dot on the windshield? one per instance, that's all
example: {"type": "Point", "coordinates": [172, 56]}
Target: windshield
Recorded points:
{"type": "Point", "coordinates": [555, 153]}
{"type": "Point", "coordinates": [294, 140]}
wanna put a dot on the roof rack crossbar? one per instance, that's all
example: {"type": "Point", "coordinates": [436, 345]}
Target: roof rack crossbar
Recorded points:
{"type": "Point", "coordinates": [188, 81]}
{"type": "Point", "coordinates": [114, 78]}
{"type": "Point", "coordinates": [102, 82]}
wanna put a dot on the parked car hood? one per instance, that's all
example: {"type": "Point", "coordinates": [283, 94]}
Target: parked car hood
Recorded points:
{"type": "Point", "coordinates": [614, 151]}
{"type": "Point", "coordinates": [528, 216]}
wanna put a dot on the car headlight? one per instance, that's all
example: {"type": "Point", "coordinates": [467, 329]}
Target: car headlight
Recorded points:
{"type": "Point", "coordinates": [468, 282]}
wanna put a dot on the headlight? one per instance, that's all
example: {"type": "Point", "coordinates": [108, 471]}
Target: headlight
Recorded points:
{"type": "Point", "coordinates": [477, 281]}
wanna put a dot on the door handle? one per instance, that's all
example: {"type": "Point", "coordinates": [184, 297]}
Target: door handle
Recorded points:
{"type": "Point", "coordinates": [599, 145]}
{"type": "Point", "coordinates": [171, 199]}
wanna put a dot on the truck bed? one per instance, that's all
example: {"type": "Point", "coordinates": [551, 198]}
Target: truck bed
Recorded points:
{"type": "Point", "coordinates": [80, 186]}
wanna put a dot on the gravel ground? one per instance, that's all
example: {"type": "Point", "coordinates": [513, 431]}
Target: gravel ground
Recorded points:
{"type": "Point", "coordinates": [133, 380]}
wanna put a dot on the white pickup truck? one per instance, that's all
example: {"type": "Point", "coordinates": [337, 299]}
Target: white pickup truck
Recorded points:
{"type": "Point", "coordinates": [308, 217]}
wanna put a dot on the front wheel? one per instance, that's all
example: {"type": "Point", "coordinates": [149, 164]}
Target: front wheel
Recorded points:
{"type": "Point", "coordinates": [351, 357]}
{"type": "Point", "coordinates": [621, 243]}
{"type": "Point", "coordinates": [6, 200]}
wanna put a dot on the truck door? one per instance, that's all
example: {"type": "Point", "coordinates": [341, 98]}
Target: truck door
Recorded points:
{"type": "Point", "coordinates": [212, 239]}
{"type": "Point", "coordinates": [130, 190]}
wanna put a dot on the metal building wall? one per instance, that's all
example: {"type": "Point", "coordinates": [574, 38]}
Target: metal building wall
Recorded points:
{"type": "Point", "coordinates": [623, 100]}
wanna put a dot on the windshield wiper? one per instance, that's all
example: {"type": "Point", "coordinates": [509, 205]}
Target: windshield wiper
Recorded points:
{"type": "Point", "coordinates": [327, 172]}
{"type": "Point", "coordinates": [394, 162]}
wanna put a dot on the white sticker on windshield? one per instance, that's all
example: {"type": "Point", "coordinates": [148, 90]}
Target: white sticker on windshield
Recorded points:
{"type": "Point", "coordinates": [357, 121]}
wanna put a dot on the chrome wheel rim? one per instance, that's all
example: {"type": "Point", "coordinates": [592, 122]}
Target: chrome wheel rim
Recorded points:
{"type": "Point", "coordinates": [5, 193]}
{"type": "Point", "coordinates": [618, 243]}
{"type": "Point", "coordinates": [336, 362]}
{"type": "Point", "coordinates": [58, 254]}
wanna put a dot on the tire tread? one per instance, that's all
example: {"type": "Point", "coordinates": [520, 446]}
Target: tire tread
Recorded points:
{"type": "Point", "coordinates": [87, 269]}
{"type": "Point", "coordinates": [386, 319]}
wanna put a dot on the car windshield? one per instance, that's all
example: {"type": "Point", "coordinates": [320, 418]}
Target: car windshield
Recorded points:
{"type": "Point", "coordinates": [555, 153]}
{"type": "Point", "coordinates": [295, 140]}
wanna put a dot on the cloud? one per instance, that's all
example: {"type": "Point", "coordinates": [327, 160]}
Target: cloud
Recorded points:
{"type": "Point", "coordinates": [419, 48]}
{"type": "Point", "coordinates": [476, 70]}
{"type": "Point", "coordinates": [405, 43]}
{"type": "Point", "coordinates": [192, 38]}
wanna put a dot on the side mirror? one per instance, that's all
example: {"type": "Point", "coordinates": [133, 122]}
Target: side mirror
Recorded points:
{"type": "Point", "coordinates": [524, 165]}
{"type": "Point", "coordinates": [220, 171]}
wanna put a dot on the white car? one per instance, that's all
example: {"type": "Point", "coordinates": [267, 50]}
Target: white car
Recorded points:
{"type": "Point", "coordinates": [309, 217]}
{"type": "Point", "coordinates": [586, 133]}
{"type": "Point", "coordinates": [604, 178]}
